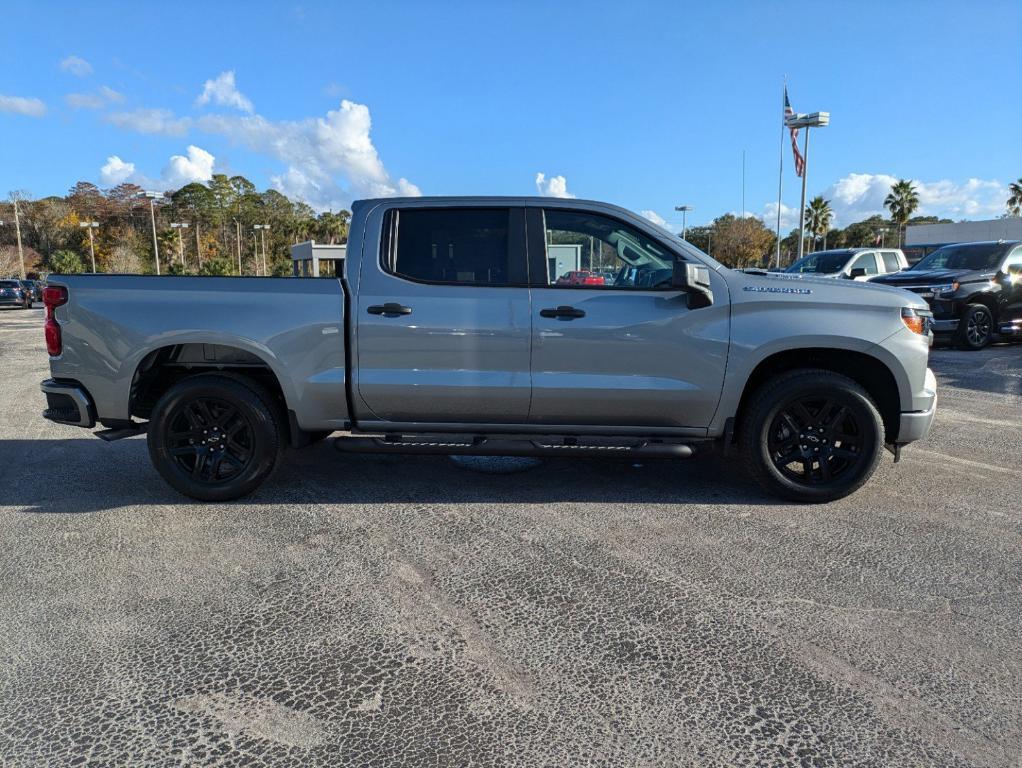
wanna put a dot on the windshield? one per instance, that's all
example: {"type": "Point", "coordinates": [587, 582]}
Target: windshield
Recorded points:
{"type": "Point", "coordinates": [822, 263]}
{"type": "Point", "coordinates": [974, 256]}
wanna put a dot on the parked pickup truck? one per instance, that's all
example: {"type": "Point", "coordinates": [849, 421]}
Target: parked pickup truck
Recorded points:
{"type": "Point", "coordinates": [445, 336]}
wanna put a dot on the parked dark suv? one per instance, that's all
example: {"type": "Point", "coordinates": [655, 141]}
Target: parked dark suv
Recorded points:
{"type": "Point", "coordinates": [974, 289]}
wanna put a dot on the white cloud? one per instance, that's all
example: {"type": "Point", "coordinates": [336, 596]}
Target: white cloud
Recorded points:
{"type": "Point", "coordinates": [103, 96]}
{"type": "Point", "coordinates": [161, 121]}
{"type": "Point", "coordinates": [789, 217]}
{"type": "Point", "coordinates": [116, 171]}
{"type": "Point", "coordinates": [320, 154]}
{"type": "Point", "coordinates": [223, 91]}
{"type": "Point", "coordinates": [181, 170]}
{"type": "Point", "coordinates": [195, 165]}
{"type": "Point", "coordinates": [555, 186]}
{"type": "Point", "coordinates": [19, 105]}
{"type": "Point", "coordinates": [657, 219]}
{"type": "Point", "coordinates": [77, 66]}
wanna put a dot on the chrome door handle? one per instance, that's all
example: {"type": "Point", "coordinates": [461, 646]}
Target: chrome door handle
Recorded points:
{"type": "Point", "coordinates": [562, 313]}
{"type": "Point", "coordinates": [391, 308]}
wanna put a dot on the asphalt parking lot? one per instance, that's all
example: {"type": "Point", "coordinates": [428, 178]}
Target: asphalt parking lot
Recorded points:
{"type": "Point", "coordinates": [385, 611]}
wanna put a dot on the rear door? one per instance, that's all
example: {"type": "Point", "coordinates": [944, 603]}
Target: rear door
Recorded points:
{"type": "Point", "coordinates": [442, 317]}
{"type": "Point", "coordinates": [890, 262]}
{"type": "Point", "coordinates": [1011, 288]}
{"type": "Point", "coordinates": [627, 352]}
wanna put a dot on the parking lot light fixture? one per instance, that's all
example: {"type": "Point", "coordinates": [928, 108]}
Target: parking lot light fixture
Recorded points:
{"type": "Point", "coordinates": [91, 225]}
{"type": "Point", "coordinates": [807, 121]}
{"type": "Point", "coordinates": [684, 210]}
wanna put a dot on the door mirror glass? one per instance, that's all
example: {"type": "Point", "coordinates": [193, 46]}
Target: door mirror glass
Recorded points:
{"type": "Point", "coordinates": [694, 279]}
{"type": "Point", "coordinates": [857, 272]}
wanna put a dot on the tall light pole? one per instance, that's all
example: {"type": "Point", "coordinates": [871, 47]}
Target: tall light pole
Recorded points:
{"type": "Point", "coordinates": [17, 230]}
{"type": "Point", "coordinates": [91, 225]}
{"type": "Point", "coordinates": [237, 225]}
{"type": "Point", "coordinates": [262, 238]}
{"type": "Point", "coordinates": [153, 197]}
{"type": "Point", "coordinates": [684, 219]}
{"type": "Point", "coordinates": [811, 120]}
{"type": "Point", "coordinates": [180, 238]}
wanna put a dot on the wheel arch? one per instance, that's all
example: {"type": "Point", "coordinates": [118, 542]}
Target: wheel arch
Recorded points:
{"type": "Point", "coordinates": [871, 373]}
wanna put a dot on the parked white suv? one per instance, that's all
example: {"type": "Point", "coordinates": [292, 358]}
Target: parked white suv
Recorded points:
{"type": "Point", "coordinates": [851, 263]}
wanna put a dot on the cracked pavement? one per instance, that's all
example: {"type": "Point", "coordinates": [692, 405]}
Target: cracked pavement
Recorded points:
{"type": "Point", "coordinates": [406, 611]}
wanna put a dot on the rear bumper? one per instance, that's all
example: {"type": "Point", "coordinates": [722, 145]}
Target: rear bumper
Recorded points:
{"type": "Point", "coordinates": [915, 425]}
{"type": "Point", "coordinates": [68, 402]}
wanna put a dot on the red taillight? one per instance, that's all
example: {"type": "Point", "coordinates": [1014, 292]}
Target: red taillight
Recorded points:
{"type": "Point", "coordinates": [54, 345]}
{"type": "Point", "coordinates": [53, 296]}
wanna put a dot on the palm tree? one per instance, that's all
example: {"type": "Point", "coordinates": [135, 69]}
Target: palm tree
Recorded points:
{"type": "Point", "coordinates": [1015, 198]}
{"type": "Point", "coordinates": [819, 215]}
{"type": "Point", "coordinates": [902, 203]}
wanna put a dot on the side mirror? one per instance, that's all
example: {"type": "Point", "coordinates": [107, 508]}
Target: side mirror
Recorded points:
{"type": "Point", "coordinates": [857, 272]}
{"type": "Point", "coordinates": [694, 279]}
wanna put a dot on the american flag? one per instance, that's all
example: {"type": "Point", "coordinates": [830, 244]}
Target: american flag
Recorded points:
{"type": "Point", "coordinates": [800, 163]}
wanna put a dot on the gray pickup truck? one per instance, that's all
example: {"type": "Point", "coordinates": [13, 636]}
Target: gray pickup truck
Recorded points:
{"type": "Point", "coordinates": [450, 333]}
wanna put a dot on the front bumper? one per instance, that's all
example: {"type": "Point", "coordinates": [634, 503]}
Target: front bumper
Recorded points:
{"type": "Point", "coordinates": [944, 326]}
{"type": "Point", "coordinates": [1012, 329]}
{"type": "Point", "coordinates": [915, 425]}
{"type": "Point", "coordinates": [67, 402]}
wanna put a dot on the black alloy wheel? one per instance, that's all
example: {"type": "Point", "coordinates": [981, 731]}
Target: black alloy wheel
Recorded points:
{"type": "Point", "coordinates": [814, 440]}
{"type": "Point", "coordinates": [210, 439]}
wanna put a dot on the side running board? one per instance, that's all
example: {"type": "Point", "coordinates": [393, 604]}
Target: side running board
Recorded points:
{"type": "Point", "coordinates": [477, 445]}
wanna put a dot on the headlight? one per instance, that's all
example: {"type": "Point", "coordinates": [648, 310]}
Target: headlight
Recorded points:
{"type": "Point", "coordinates": [916, 320]}
{"type": "Point", "coordinates": [946, 288]}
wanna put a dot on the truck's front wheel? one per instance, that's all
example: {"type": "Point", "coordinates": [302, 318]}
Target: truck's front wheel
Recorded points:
{"type": "Point", "coordinates": [215, 437]}
{"type": "Point", "coordinates": [811, 436]}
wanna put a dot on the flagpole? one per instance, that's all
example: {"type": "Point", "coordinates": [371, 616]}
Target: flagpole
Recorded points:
{"type": "Point", "coordinates": [780, 176]}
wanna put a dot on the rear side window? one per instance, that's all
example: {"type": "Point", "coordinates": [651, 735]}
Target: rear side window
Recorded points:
{"type": "Point", "coordinates": [891, 263]}
{"type": "Point", "coordinates": [451, 245]}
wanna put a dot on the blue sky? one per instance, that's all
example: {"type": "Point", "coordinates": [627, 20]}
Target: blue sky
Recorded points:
{"type": "Point", "coordinates": [643, 104]}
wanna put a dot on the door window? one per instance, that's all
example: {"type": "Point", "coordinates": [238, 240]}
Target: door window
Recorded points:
{"type": "Point", "coordinates": [865, 261]}
{"type": "Point", "coordinates": [454, 246]}
{"type": "Point", "coordinates": [891, 263]}
{"type": "Point", "coordinates": [587, 250]}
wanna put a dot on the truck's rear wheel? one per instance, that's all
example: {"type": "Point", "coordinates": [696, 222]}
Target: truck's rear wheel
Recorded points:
{"type": "Point", "coordinates": [811, 436]}
{"type": "Point", "coordinates": [215, 437]}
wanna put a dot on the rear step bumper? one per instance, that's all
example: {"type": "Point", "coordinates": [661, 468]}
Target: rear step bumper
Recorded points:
{"type": "Point", "coordinates": [450, 445]}
{"type": "Point", "coordinates": [67, 402]}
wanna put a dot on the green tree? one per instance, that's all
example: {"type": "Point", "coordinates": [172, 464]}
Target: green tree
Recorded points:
{"type": "Point", "coordinates": [1015, 198]}
{"type": "Point", "coordinates": [741, 242]}
{"type": "Point", "coordinates": [216, 267]}
{"type": "Point", "coordinates": [66, 263]}
{"type": "Point", "coordinates": [902, 202]}
{"type": "Point", "coordinates": [818, 217]}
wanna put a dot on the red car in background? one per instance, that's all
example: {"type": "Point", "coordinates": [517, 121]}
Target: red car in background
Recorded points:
{"type": "Point", "coordinates": [580, 277]}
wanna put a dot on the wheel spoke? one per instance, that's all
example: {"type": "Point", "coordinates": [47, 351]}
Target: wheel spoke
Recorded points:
{"type": "Point", "coordinates": [184, 450]}
{"type": "Point", "coordinates": [825, 474]}
{"type": "Point", "coordinates": [791, 423]}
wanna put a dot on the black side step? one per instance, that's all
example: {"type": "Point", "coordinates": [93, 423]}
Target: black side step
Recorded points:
{"type": "Point", "coordinates": [475, 445]}
{"type": "Point", "coordinates": [120, 433]}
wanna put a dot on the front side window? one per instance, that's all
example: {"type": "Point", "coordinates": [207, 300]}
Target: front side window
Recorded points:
{"type": "Point", "coordinates": [448, 245]}
{"type": "Point", "coordinates": [866, 261]}
{"type": "Point", "coordinates": [587, 250]}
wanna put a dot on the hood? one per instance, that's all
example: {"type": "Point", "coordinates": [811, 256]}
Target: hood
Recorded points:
{"type": "Point", "coordinates": [819, 288]}
{"type": "Point", "coordinates": [927, 276]}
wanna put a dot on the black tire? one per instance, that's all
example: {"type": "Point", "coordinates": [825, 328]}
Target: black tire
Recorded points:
{"type": "Point", "coordinates": [215, 437]}
{"type": "Point", "coordinates": [976, 328]}
{"type": "Point", "coordinates": [811, 435]}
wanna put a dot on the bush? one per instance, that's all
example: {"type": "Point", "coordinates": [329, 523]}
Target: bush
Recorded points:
{"type": "Point", "coordinates": [177, 268]}
{"type": "Point", "coordinates": [215, 267]}
{"type": "Point", "coordinates": [66, 263]}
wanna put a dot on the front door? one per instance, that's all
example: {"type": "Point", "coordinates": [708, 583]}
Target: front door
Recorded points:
{"type": "Point", "coordinates": [621, 348]}
{"type": "Point", "coordinates": [442, 318]}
